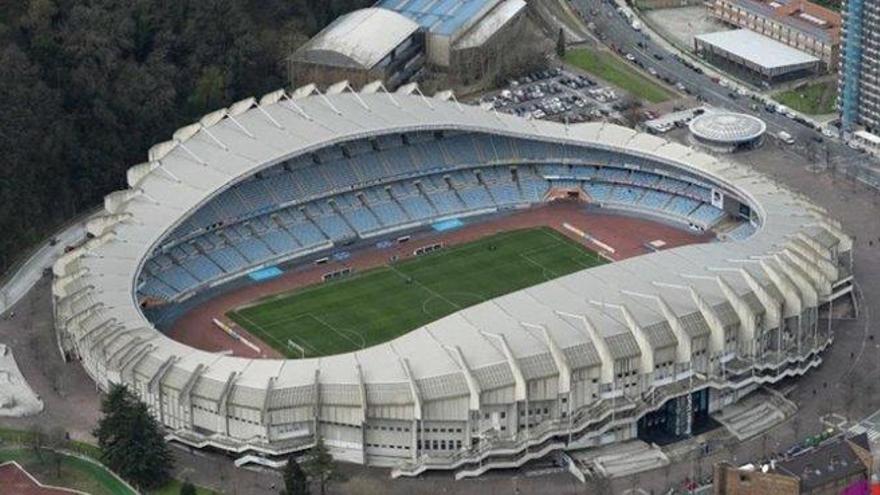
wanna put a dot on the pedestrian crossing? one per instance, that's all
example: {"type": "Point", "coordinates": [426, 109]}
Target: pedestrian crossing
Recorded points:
{"type": "Point", "coordinates": [870, 426]}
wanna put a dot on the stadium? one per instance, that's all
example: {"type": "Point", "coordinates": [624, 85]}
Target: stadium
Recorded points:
{"type": "Point", "coordinates": [428, 285]}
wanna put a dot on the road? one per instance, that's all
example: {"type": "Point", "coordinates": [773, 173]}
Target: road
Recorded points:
{"type": "Point", "coordinates": [618, 32]}
{"type": "Point", "coordinates": [27, 274]}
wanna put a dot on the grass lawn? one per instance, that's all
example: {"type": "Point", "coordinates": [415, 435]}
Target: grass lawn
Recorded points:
{"type": "Point", "coordinates": [377, 305]}
{"type": "Point", "coordinates": [75, 473]}
{"type": "Point", "coordinates": [618, 72]}
{"type": "Point", "coordinates": [812, 99]}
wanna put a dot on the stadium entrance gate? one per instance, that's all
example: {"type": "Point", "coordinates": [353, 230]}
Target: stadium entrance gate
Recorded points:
{"type": "Point", "coordinates": [678, 418]}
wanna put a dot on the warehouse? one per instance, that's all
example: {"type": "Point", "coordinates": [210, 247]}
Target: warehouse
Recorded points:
{"type": "Point", "coordinates": [755, 56]}
{"type": "Point", "coordinates": [463, 36]}
{"type": "Point", "coordinates": [362, 46]}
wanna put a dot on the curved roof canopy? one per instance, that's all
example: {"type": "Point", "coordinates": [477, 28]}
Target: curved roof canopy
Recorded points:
{"type": "Point", "coordinates": [95, 284]}
{"type": "Point", "coordinates": [727, 127]}
{"type": "Point", "coordinates": [359, 39]}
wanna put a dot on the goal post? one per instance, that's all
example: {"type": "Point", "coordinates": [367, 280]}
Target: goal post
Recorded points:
{"type": "Point", "coordinates": [296, 347]}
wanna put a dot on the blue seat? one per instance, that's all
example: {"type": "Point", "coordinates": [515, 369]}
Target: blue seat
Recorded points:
{"type": "Point", "coordinates": [599, 191]}
{"type": "Point", "coordinates": [202, 268]}
{"type": "Point", "coordinates": [446, 202]}
{"type": "Point", "coordinates": [228, 259]}
{"type": "Point", "coordinates": [707, 215]}
{"type": "Point", "coordinates": [681, 206]}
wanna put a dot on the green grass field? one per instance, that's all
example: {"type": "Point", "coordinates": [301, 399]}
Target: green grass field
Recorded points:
{"type": "Point", "coordinates": [377, 305]}
{"type": "Point", "coordinates": [76, 473]}
{"type": "Point", "coordinates": [618, 72]}
{"type": "Point", "coordinates": [813, 99]}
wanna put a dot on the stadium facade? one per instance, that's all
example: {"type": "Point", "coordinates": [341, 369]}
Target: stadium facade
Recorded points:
{"type": "Point", "coordinates": [650, 345]}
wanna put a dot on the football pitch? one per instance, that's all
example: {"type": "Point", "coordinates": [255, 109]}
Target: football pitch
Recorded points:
{"type": "Point", "coordinates": [380, 304]}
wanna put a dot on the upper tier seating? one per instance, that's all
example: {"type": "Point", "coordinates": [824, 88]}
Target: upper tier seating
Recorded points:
{"type": "Point", "coordinates": [368, 187]}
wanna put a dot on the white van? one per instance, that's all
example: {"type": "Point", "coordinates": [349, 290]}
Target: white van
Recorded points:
{"type": "Point", "coordinates": [785, 137]}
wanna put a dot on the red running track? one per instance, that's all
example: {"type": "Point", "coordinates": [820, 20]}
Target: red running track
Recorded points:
{"type": "Point", "coordinates": [626, 235]}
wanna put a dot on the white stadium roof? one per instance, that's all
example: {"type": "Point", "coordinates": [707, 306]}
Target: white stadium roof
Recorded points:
{"type": "Point", "coordinates": [756, 48]}
{"type": "Point", "coordinates": [360, 39]}
{"type": "Point", "coordinates": [500, 341]}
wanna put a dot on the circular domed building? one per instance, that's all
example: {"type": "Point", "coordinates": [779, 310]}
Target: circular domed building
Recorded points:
{"type": "Point", "coordinates": [727, 132]}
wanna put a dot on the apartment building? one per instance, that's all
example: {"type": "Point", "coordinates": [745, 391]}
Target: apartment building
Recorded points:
{"type": "Point", "coordinates": [859, 74]}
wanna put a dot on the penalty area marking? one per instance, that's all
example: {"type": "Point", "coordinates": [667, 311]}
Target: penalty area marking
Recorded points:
{"type": "Point", "coordinates": [580, 233]}
{"type": "Point", "coordinates": [261, 330]}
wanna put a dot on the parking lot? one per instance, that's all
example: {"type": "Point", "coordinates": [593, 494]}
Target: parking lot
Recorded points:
{"type": "Point", "coordinates": [556, 94]}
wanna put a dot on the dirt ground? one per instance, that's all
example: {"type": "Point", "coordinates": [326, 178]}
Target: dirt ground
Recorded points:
{"type": "Point", "coordinates": [15, 481]}
{"type": "Point", "coordinates": [626, 235]}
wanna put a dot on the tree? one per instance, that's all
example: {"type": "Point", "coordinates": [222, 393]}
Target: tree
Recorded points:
{"type": "Point", "coordinates": [630, 110]}
{"type": "Point", "coordinates": [36, 439]}
{"type": "Point", "coordinates": [88, 87]}
{"type": "Point", "coordinates": [187, 489]}
{"type": "Point", "coordinates": [56, 441]}
{"type": "Point", "coordinates": [131, 440]}
{"type": "Point", "coordinates": [295, 480]}
{"type": "Point", "coordinates": [320, 466]}
{"type": "Point", "coordinates": [560, 44]}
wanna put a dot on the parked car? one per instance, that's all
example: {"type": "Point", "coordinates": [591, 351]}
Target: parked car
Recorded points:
{"type": "Point", "coordinates": [785, 137]}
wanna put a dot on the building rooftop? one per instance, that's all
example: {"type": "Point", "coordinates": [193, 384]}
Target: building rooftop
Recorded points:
{"type": "Point", "coordinates": [444, 17]}
{"type": "Point", "coordinates": [800, 14]}
{"type": "Point", "coordinates": [359, 39]}
{"type": "Point", "coordinates": [830, 461]}
{"type": "Point", "coordinates": [757, 49]}
{"type": "Point", "coordinates": [490, 24]}
{"type": "Point", "coordinates": [727, 127]}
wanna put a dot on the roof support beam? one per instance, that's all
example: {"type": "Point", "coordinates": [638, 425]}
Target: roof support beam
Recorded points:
{"type": "Point", "coordinates": [417, 396]}
{"type": "Point", "coordinates": [159, 375]}
{"type": "Point", "coordinates": [598, 343]}
{"type": "Point", "coordinates": [472, 384]}
{"type": "Point", "coordinates": [559, 359]}
{"type": "Point", "coordinates": [519, 390]}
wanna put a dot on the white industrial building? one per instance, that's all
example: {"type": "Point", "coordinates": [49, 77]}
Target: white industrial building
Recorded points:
{"type": "Point", "coordinates": [362, 46]}
{"type": "Point", "coordinates": [576, 362]}
{"type": "Point", "coordinates": [755, 55]}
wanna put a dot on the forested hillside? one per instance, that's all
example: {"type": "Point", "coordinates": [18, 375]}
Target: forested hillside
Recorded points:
{"type": "Point", "coordinates": [87, 86]}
